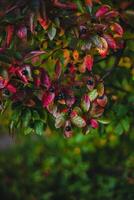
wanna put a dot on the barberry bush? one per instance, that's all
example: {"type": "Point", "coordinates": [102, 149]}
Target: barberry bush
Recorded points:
{"type": "Point", "coordinates": [53, 57]}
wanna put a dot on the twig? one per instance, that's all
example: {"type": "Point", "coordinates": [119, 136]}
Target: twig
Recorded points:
{"type": "Point", "coordinates": [110, 70]}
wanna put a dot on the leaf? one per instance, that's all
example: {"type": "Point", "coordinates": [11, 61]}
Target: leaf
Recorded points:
{"type": "Point", "coordinates": [102, 100]}
{"type": "Point", "coordinates": [119, 129]}
{"type": "Point", "coordinates": [125, 124]}
{"type": "Point", "coordinates": [52, 32]}
{"type": "Point", "coordinates": [60, 120]}
{"type": "Point", "coordinates": [110, 40]}
{"type": "Point", "coordinates": [100, 89]}
{"type": "Point", "coordinates": [58, 70]}
{"type": "Point", "coordinates": [117, 28]}
{"type": "Point", "coordinates": [5, 58]}
{"type": "Point", "coordinates": [85, 103]}
{"type": "Point", "coordinates": [93, 95]}
{"type": "Point", "coordinates": [26, 117]}
{"type": "Point", "coordinates": [28, 131]}
{"type": "Point", "coordinates": [101, 45]}
{"type": "Point", "coordinates": [47, 99]}
{"type": "Point", "coordinates": [103, 121]}
{"type": "Point", "coordinates": [94, 123]}
{"type": "Point", "coordinates": [88, 62]}
{"type": "Point", "coordinates": [39, 127]}
{"type": "Point", "coordinates": [102, 11]}
{"type": "Point", "coordinates": [79, 5]}
{"type": "Point", "coordinates": [78, 121]}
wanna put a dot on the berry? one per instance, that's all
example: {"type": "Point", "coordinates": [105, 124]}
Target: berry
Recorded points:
{"type": "Point", "coordinates": [6, 92]}
{"type": "Point", "coordinates": [69, 111]}
{"type": "Point", "coordinates": [90, 82]}
{"type": "Point", "coordinates": [83, 30]}
{"type": "Point", "coordinates": [68, 128]}
{"type": "Point", "coordinates": [25, 72]}
{"type": "Point", "coordinates": [101, 97]}
{"type": "Point", "coordinates": [51, 89]}
{"type": "Point", "coordinates": [61, 96]}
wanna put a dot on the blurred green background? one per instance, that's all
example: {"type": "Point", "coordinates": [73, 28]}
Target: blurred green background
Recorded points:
{"type": "Point", "coordinates": [97, 166]}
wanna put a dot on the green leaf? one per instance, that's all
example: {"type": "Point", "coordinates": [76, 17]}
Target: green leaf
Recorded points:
{"type": "Point", "coordinates": [52, 32]}
{"type": "Point", "coordinates": [38, 127]}
{"type": "Point", "coordinates": [103, 121]}
{"type": "Point", "coordinates": [79, 5]}
{"type": "Point", "coordinates": [119, 129]}
{"type": "Point", "coordinates": [93, 95]}
{"type": "Point", "coordinates": [5, 58]}
{"type": "Point", "coordinates": [125, 124]}
{"type": "Point", "coordinates": [28, 130]}
{"type": "Point", "coordinates": [60, 120]}
{"type": "Point", "coordinates": [78, 121]}
{"type": "Point", "coordinates": [26, 117]}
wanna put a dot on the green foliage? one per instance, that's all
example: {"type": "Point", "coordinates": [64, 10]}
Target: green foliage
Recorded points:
{"type": "Point", "coordinates": [90, 167]}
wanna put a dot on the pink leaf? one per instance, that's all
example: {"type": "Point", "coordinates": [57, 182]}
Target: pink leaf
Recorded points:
{"type": "Point", "coordinates": [85, 103]}
{"type": "Point", "coordinates": [47, 99]}
{"type": "Point", "coordinates": [94, 123]}
{"type": "Point", "coordinates": [22, 32]}
{"type": "Point", "coordinates": [45, 79]}
{"type": "Point", "coordinates": [20, 74]}
{"type": "Point", "coordinates": [102, 11]}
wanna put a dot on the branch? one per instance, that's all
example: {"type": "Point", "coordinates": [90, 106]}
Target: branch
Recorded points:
{"type": "Point", "coordinates": [110, 70]}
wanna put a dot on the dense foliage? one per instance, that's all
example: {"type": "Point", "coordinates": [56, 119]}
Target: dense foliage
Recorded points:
{"type": "Point", "coordinates": [50, 59]}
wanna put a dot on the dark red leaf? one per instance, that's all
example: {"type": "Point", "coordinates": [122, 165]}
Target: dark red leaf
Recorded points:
{"type": "Point", "coordinates": [110, 40]}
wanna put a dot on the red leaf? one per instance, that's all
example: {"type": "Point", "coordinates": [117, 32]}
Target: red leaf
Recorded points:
{"type": "Point", "coordinates": [94, 123]}
{"type": "Point", "coordinates": [43, 23]}
{"type": "Point", "coordinates": [117, 29]}
{"type": "Point", "coordinates": [110, 40]}
{"type": "Point", "coordinates": [88, 62]}
{"type": "Point", "coordinates": [11, 88]}
{"type": "Point", "coordinates": [20, 74]}
{"type": "Point", "coordinates": [102, 101]}
{"type": "Point", "coordinates": [12, 69]}
{"type": "Point", "coordinates": [102, 11]}
{"type": "Point", "coordinates": [9, 34]}
{"type": "Point", "coordinates": [37, 81]}
{"type": "Point", "coordinates": [47, 99]}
